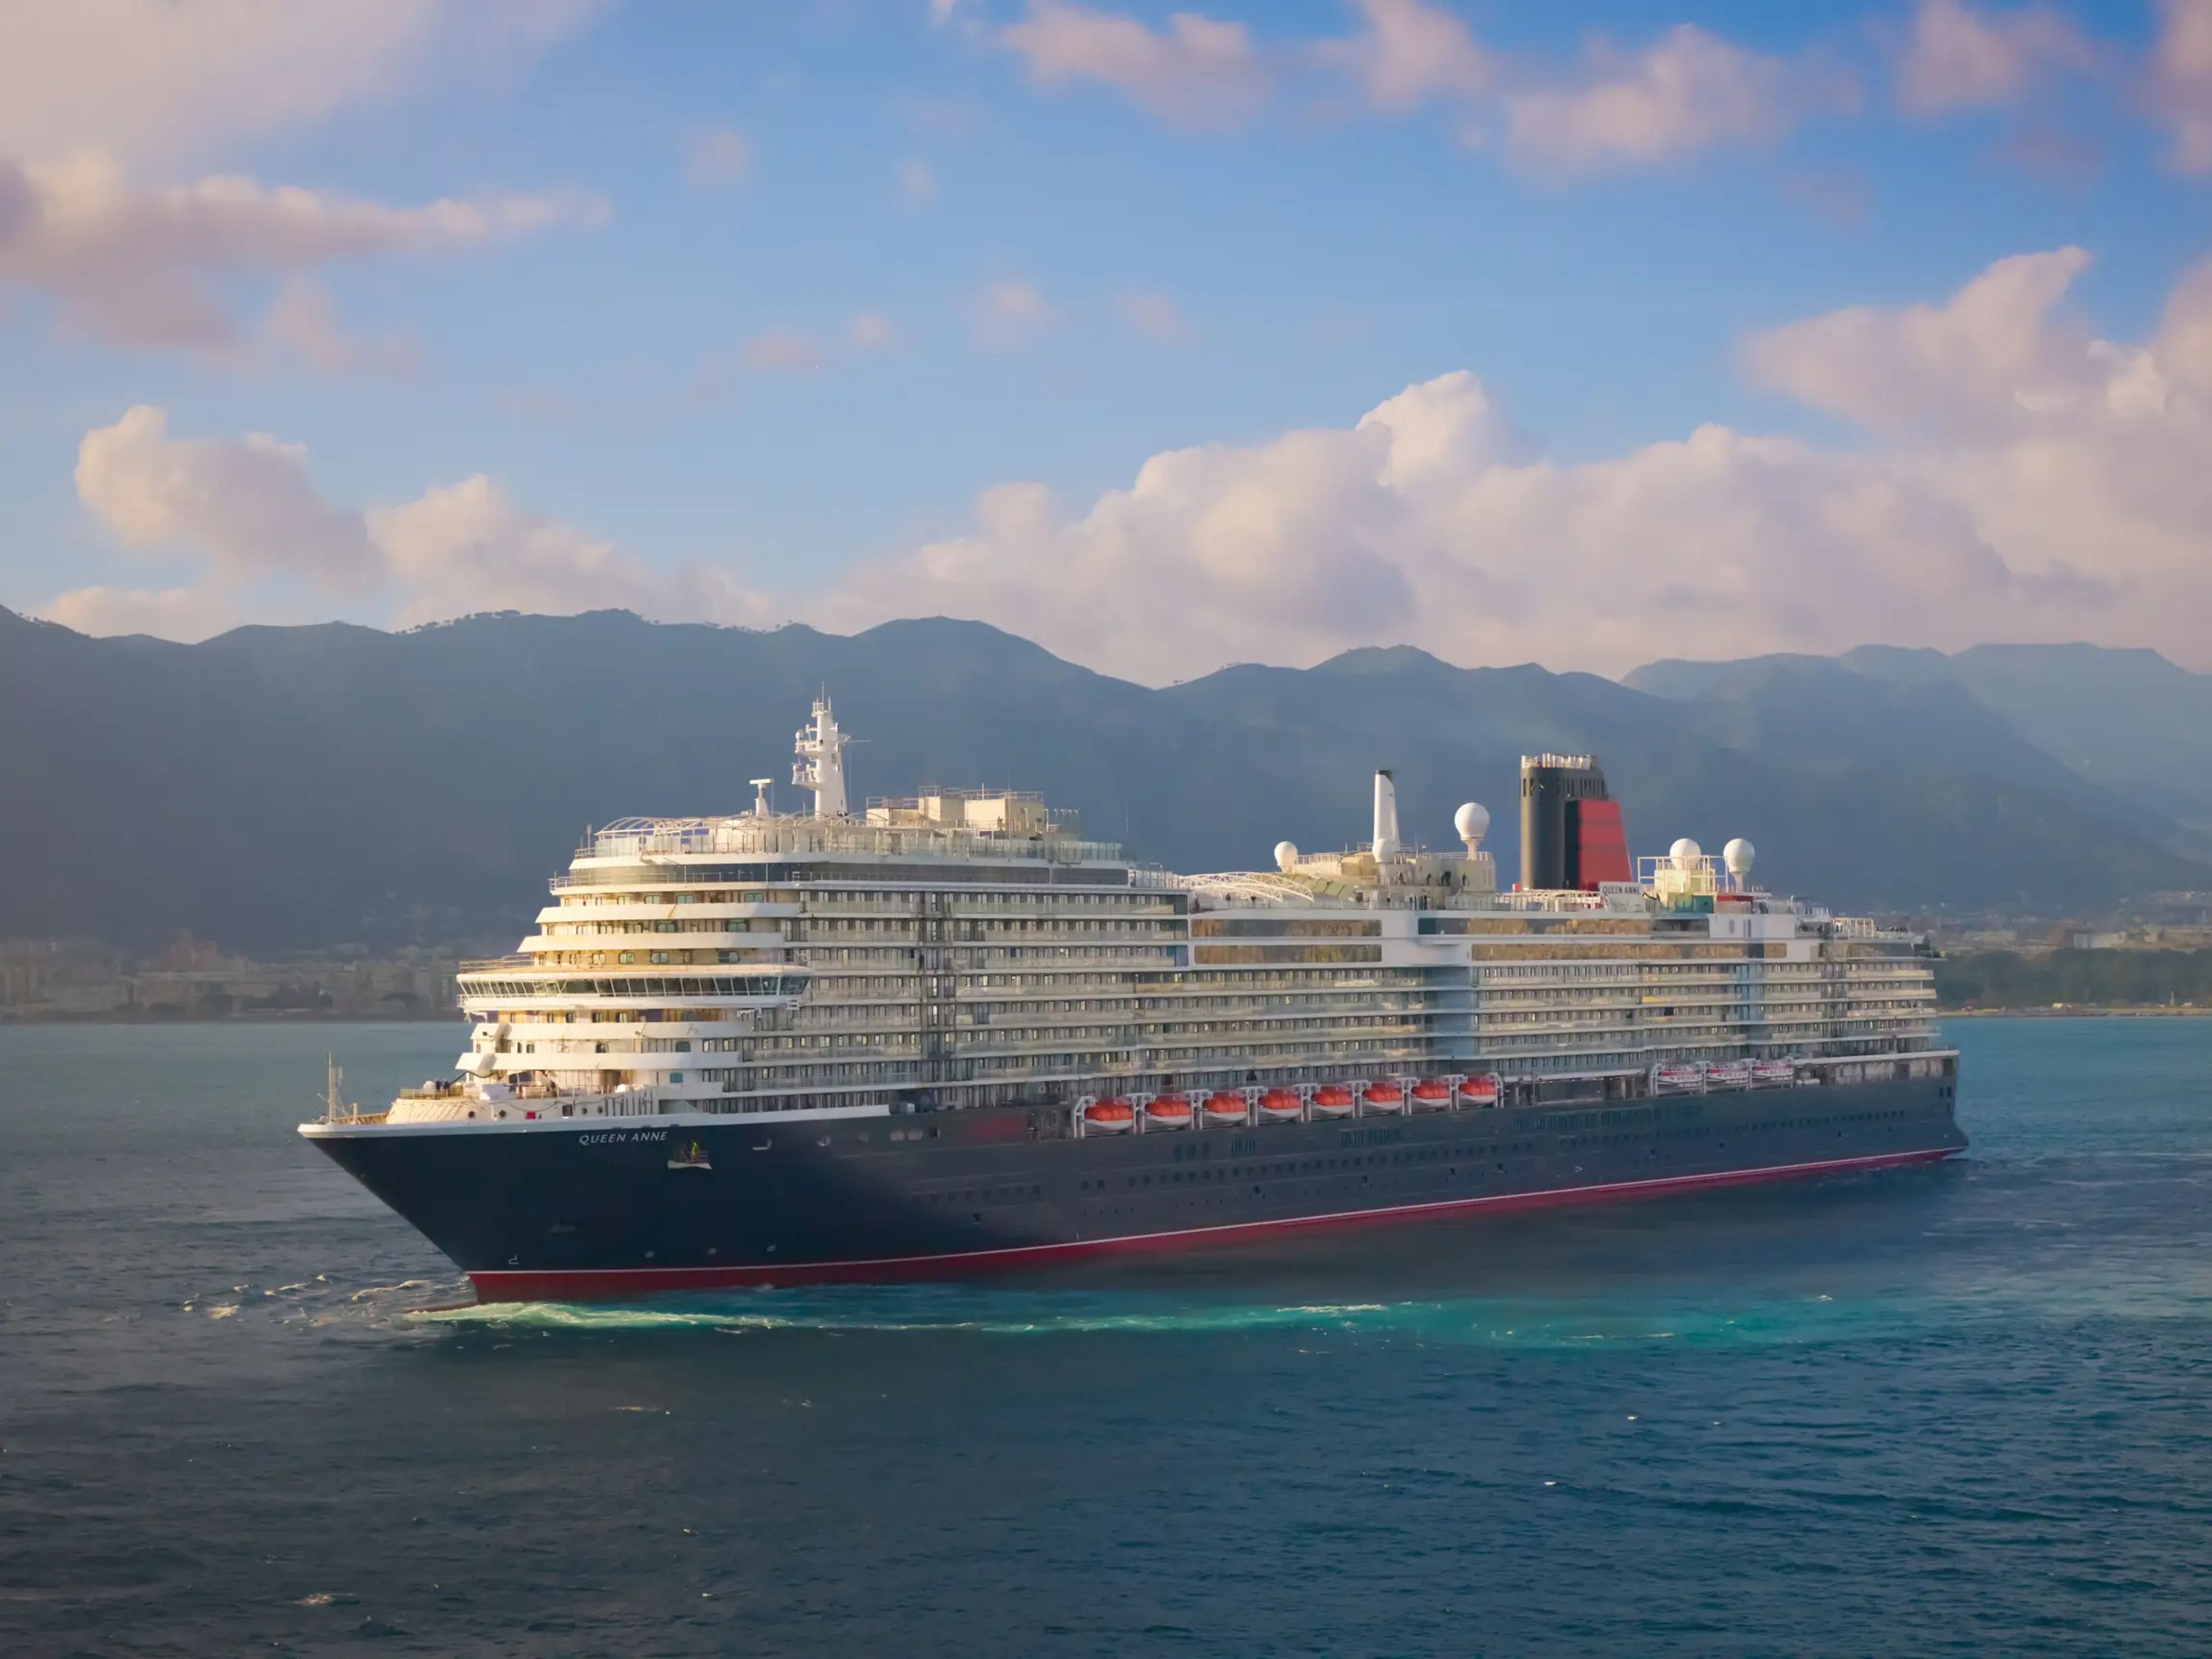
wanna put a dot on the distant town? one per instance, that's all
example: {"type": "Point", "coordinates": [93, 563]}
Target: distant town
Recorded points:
{"type": "Point", "coordinates": [193, 980]}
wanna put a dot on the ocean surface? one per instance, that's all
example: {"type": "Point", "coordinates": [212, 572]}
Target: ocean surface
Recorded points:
{"type": "Point", "coordinates": [1959, 1410]}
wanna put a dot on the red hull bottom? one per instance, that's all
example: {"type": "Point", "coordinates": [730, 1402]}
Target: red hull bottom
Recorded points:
{"type": "Point", "coordinates": [596, 1284]}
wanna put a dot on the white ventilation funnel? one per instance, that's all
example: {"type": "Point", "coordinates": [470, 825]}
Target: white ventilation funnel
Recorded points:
{"type": "Point", "coordinates": [1386, 816]}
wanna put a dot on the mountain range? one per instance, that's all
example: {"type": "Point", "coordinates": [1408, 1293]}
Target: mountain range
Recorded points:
{"type": "Point", "coordinates": [285, 787]}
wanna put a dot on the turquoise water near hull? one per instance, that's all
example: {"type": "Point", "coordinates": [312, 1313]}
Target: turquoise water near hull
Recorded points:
{"type": "Point", "coordinates": [1961, 1409]}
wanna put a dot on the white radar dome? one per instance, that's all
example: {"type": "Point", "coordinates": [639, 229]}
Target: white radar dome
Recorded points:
{"type": "Point", "coordinates": [1684, 854]}
{"type": "Point", "coordinates": [1738, 855]}
{"type": "Point", "coordinates": [1472, 821]}
{"type": "Point", "coordinates": [1286, 855]}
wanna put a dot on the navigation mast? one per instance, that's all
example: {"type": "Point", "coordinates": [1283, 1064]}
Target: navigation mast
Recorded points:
{"type": "Point", "coordinates": [821, 762]}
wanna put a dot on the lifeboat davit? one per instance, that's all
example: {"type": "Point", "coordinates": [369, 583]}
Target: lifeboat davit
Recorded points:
{"type": "Point", "coordinates": [1281, 1106]}
{"type": "Point", "coordinates": [1432, 1094]}
{"type": "Point", "coordinates": [1108, 1117]}
{"type": "Point", "coordinates": [1167, 1112]}
{"type": "Point", "coordinates": [1226, 1107]}
{"type": "Point", "coordinates": [1332, 1100]}
{"type": "Point", "coordinates": [1479, 1091]}
{"type": "Point", "coordinates": [1384, 1096]}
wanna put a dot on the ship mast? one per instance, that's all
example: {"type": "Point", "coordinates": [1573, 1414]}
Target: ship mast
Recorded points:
{"type": "Point", "coordinates": [820, 765]}
{"type": "Point", "coordinates": [334, 1108]}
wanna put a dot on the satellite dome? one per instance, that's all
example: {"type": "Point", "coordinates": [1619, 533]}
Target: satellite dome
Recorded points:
{"type": "Point", "coordinates": [1684, 854]}
{"type": "Point", "coordinates": [1472, 821]}
{"type": "Point", "coordinates": [1738, 855]}
{"type": "Point", "coordinates": [1286, 855]}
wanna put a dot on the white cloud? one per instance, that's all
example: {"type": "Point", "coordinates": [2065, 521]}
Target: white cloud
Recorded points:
{"type": "Point", "coordinates": [1987, 357]}
{"type": "Point", "coordinates": [1959, 56]}
{"type": "Point", "coordinates": [782, 351]}
{"type": "Point", "coordinates": [247, 509]}
{"type": "Point", "coordinates": [917, 182]}
{"type": "Point", "coordinates": [2061, 495]}
{"type": "Point", "coordinates": [1689, 91]}
{"type": "Point", "coordinates": [155, 80]}
{"type": "Point", "coordinates": [716, 157]}
{"type": "Point", "coordinates": [1010, 312]}
{"type": "Point", "coordinates": [1408, 53]}
{"type": "Point", "coordinates": [143, 266]}
{"type": "Point", "coordinates": [1154, 315]}
{"type": "Point", "coordinates": [300, 324]}
{"type": "Point", "coordinates": [247, 503]}
{"type": "Point", "coordinates": [468, 547]}
{"type": "Point", "coordinates": [1840, 199]}
{"type": "Point", "coordinates": [1197, 72]}
{"type": "Point", "coordinates": [2181, 82]}
{"type": "Point", "coordinates": [2014, 477]}
{"type": "Point", "coordinates": [871, 331]}
{"type": "Point", "coordinates": [190, 614]}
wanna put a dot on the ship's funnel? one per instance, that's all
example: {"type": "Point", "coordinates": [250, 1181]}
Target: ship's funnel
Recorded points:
{"type": "Point", "coordinates": [1386, 816]}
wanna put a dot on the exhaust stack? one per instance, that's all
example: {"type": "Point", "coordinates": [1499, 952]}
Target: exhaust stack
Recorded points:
{"type": "Point", "coordinates": [1386, 816]}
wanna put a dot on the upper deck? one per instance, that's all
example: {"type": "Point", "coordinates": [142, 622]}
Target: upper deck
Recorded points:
{"type": "Point", "coordinates": [613, 853]}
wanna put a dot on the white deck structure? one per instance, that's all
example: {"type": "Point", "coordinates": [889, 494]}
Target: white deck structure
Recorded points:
{"type": "Point", "coordinates": [968, 948]}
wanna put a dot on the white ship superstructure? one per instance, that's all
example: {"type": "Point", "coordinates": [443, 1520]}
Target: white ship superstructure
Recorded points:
{"type": "Point", "coordinates": [967, 949]}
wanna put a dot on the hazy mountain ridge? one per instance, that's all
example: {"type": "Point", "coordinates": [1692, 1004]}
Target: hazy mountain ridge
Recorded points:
{"type": "Point", "coordinates": [2131, 726]}
{"type": "Point", "coordinates": [280, 787]}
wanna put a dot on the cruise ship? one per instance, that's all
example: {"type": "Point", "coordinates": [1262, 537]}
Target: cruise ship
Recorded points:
{"type": "Point", "coordinates": [949, 1034]}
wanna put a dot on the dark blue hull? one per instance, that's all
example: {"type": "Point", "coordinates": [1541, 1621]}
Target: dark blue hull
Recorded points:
{"type": "Point", "coordinates": [558, 1209]}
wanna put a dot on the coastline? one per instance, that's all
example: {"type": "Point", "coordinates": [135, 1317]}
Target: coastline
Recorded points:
{"type": "Point", "coordinates": [287, 1017]}
{"type": "Point", "coordinates": [443, 1016]}
{"type": "Point", "coordinates": [2073, 1011]}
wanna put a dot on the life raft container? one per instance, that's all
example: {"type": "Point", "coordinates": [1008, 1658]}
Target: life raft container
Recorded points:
{"type": "Point", "coordinates": [1167, 1112]}
{"type": "Point", "coordinates": [1332, 1100]}
{"type": "Point", "coordinates": [1384, 1096]}
{"type": "Point", "coordinates": [1227, 1108]}
{"type": "Point", "coordinates": [1108, 1117]}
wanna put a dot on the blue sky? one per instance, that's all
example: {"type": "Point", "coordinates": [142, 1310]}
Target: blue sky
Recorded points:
{"type": "Point", "coordinates": [777, 312]}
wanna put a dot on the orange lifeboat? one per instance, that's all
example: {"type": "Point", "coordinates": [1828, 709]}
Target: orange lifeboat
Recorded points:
{"type": "Point", "coordinates": [1332, 1100]}
{"type": "Point", "coordinates": [1225, 1107]}
{"type": "Point", "coordinates": [1385, 1097]}
{"type": "Point", "coordinates": [1480, 1090]}
{"type": "Point", "coordinates": [1167, 1112]}
{"type": "Point", "coordinates": [1108, 1117]}
{"type": "Point", "coordinates": [1432, 1094]}
{"type": "Point", "coordinates": [1281, 1106]}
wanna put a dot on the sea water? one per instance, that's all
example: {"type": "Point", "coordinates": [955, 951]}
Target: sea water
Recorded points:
{"type": "Point", "coordinates": [1963, 1409]}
